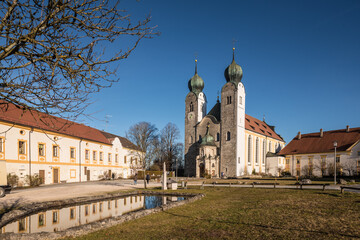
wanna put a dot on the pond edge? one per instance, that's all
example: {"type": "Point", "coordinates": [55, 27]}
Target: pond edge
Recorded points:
{"type": "Point", "coordinates": [21, 211]}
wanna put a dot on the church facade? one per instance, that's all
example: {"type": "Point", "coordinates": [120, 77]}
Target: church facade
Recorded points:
{"type": "Point", "coordinates": [225, 142]}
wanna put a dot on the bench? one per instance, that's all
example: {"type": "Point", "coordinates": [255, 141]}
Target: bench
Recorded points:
{"type": "Point", "coordinates": [312, 184]}
{"type": "Point", "coordinates": [345, 187]}
{"type": "Point", "coordinates": [257, 183]}
{"type": "Point", "coordinates": [229, 184]}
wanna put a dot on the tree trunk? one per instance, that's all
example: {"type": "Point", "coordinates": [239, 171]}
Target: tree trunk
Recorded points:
{"type": "Point", "coordinates": [145, 178]}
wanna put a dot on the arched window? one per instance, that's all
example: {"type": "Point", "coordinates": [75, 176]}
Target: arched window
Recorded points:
{"type": "Point", "coordinates": [264, 152]}
{"type": "Point", "coordinates": [240, 100]}
{"type": "Point", "coordinates": [228, 100]}
{"type": "Point", "coordinates": [249, 150]}
{"type": "Point", "coordinates": [257, 151]}
{"type": "Point", "coordinates": [228, 137]}
{"type": "Point", "coordinates": [218, 137]}
{"type": "Point", "coordinates": [191, 107]}
{"type": "Point", "coordinates": [200, 138]}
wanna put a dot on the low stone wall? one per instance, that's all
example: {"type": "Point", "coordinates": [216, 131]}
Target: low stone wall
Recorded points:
{"type": "Point", "coordinates": [19, 212]}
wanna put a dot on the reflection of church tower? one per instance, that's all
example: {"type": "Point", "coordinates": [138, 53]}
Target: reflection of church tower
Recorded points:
{"type": "Point", "coordinates": [195, 110]}
{"type": "Point", "coordinates": [233, 122]}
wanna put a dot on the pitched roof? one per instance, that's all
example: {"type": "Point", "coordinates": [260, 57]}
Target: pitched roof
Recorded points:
{"type": "Point", "coordinates": [31, 118]}
{"type": "Point", "coordinates": [126, 143]}
{"type": "Point", "coordinates": [251, 123]}
{"type": "Point", "coordinates": [215, 111]}
{"type": "Point", "coordinates": [313, 143]}
{"type": "Point", "coordinates": [261, 127]}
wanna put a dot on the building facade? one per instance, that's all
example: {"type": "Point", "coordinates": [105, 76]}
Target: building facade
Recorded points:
{"type": "Point", "coordinates": [225, 141]}
{"type": "Point", "coordinates": [57, 150]}
{"type": "Point", "coordinates": [313, 154]}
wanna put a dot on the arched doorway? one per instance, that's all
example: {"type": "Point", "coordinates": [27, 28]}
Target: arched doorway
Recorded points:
{"type": "Point", "coordinates": [202, 170]}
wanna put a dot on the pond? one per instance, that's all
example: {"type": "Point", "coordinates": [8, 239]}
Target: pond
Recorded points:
{"type": "Point", "coordinates": [54, 220]}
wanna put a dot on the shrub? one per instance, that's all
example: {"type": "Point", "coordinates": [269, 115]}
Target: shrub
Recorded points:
{"type": "Point", "coordinates": [285, 174]}
{"type": "Point", "coordinates": [12, 179]}
{"type": "Point", "coordinates": [32, 181]}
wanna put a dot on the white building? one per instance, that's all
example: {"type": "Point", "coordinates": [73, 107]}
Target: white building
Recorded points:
{"type": "Point", "coordinates": [235, 144]}
{"type": "Point", "coordinates": [34, 143]}
{"type": "Point", "coordinates": [313, 154]}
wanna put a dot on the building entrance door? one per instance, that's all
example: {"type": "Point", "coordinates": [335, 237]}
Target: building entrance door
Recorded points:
{"type": "Point", "coordinates": [88, 175]}
{"type": "Point", "coordinates": [110, 175]}
{"type": "Point", "coordinates": [42, 176]}
{"type": "Point", "coordinates": [56, 175]}
{"type": "Point", "coordinates": [202, 170]}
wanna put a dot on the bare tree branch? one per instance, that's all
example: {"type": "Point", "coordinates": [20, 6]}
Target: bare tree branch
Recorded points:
{"type": "Point", "coordinates": [55, 53]}
{"type": "Point", "coordinates": [143, 135]}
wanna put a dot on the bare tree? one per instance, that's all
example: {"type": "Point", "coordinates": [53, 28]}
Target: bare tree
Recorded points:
{"type": "Point", "coordinates": [305, 170]}
{"type": "Point", "coordinates": [320, 167]}
{"type": "Point", "coordinates": [349, 167]}
{"type": "Point", "coordinates": [170, 148]}
{"type": "Point", "coordinates": [55, 53]}
{"type": "Point", "coordinates": [143, 135]}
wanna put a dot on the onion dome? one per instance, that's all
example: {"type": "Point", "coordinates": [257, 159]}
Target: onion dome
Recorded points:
{"type": "Point", "coordinates": [208, 139]}
{"type": "Point", "coordinates": [196, 83]}
{"type": "Point", "coordinates": [233, 73]}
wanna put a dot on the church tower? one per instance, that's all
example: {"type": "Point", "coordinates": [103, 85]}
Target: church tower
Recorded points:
{"type": "Point", "coordinates": [195, 110]}
{"type": "Point", "coordinates": [233, 122]}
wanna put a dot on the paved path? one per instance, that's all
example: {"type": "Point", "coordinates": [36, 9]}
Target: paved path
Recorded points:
{"type": "Point", "coordinates": [73, 190]}
{"type": "Point", "coordinates": [69, 190]}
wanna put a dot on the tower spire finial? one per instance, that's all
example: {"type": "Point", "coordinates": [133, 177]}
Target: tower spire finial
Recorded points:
{"type": "Point", "coordinates": [233, 53]}
{"type": "Point", "coordinates": [195, 66]}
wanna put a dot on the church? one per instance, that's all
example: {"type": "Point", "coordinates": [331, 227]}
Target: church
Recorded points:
{"type": "Point", "coordinates": [226, 142]}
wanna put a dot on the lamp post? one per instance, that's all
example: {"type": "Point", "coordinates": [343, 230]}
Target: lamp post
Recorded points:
{"type": "Point", "coordinates": [176, 169]}
{"type": "Point", "coordinates": [335, 145]}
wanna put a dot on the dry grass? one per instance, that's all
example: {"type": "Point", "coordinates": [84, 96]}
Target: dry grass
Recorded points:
{"type": "Point", "coordinates": [243, 213]}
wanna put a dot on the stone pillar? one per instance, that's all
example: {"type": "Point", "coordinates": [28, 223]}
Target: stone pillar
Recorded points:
{"type": "Point", "coordinates": [164, 183]}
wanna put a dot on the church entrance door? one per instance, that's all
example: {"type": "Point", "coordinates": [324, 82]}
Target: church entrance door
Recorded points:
{"type": "Point", "coordinates": [202, 170]}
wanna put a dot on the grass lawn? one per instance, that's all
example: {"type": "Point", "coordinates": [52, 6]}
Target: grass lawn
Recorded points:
{"type": "Point", "coordinates": [249, 213]}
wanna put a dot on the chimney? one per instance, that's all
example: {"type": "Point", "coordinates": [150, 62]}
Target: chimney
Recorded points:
{"type": "Point", "coordinates": [321, 132]}
{"type": "Point", "coordinates": [347, 128]}
{"type": "Point", "coordinates": [299, 135]}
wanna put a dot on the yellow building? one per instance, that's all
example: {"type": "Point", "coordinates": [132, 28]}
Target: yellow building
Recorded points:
{"type": "Point", "coordinates": [57, 150]}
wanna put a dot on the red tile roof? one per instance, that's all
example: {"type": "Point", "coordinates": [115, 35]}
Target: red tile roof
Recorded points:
{"type": "Point", "coordinates": [124, 141]}
{"type": "Point", "coordinates": [260, 127]}
{"type": "Point", "coordinates": [251, 123]}
{"type": "Point", "coordinates": [31, 118]}
{"type": "Point", "coordinates": [313, 143]}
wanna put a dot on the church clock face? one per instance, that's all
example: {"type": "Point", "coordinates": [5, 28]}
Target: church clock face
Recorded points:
{"type": "Point", "coordinates": [191, 116]}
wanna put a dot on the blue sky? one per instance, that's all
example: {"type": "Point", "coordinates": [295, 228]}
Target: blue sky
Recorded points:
{"type": "Point", "coordinates": [300, 61]}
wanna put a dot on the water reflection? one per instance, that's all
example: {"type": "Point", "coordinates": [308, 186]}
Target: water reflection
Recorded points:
{"type": "Point", "coordinates": [61, 219]}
